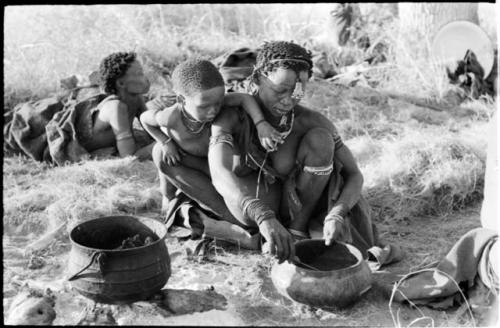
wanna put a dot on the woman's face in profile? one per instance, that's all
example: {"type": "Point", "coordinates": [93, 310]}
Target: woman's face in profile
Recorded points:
{"type": "Point", "coordinates": [281, 90]}
{"type": "Point", "coordinates": [134, 80]}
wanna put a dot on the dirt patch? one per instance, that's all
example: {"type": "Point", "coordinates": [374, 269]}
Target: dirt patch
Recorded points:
{"type": "Point", "coordinates": [243, 279]}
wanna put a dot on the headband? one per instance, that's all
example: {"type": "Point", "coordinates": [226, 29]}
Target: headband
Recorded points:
{"type": "Point", "coordinates": [297, 60]}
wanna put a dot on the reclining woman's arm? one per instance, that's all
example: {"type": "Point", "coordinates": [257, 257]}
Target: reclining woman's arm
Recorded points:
{"type": "Point", "coordinates": [120, 124]}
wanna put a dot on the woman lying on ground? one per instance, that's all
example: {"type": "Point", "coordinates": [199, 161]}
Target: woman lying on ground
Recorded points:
{"type": "Point", "coordinates": [110, 124]}
{"type": "Point", "coordinates": [70, 129]}
{"type": "Point", "coordinates": [311, 173]}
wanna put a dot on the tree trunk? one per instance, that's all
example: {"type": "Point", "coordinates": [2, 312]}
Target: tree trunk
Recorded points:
{"type": "Point", "coordinates": [423, 20]}
{"type": "Point", "coordinates": [419, 23]}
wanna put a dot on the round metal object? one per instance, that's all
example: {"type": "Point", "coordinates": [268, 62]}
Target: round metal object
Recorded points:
{"type": "Point", "coordinates": [104, 272]}
{"type": "Point", "coordinates": [342, 276]}
{"type": "Point", "coordinates": [454, 39]}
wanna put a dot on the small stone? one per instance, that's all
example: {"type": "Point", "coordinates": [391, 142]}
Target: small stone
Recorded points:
{"type": "Point", "coordinates": [35, 263]}
{"type": "Point", "coordinates": [31, 308]}
{"type": "Point", "coordinates": [184, 301]}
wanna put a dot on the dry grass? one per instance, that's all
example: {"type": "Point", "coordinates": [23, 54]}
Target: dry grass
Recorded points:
{"type": "Point", "coordinates": [424, 173]}
{"type": "Point", "coordinates": [43, 43]}
{"type": "Point", "coordinates": [46, 43]}
{"type": "Point", "coordinates": [415, 161]}
{"type": "Point", "coordinates": [72, 194]}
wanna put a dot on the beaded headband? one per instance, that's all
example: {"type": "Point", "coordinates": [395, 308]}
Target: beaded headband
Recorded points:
{"type": "Point", "coordinates": [297, 60]}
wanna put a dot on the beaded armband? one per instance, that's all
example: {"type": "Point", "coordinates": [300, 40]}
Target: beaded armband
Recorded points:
{"type": "Point", "coordinates": [124, 135]}
{"type": "Point", "coordinates": [319, 170]}
{"type": "Point", "coordinates": [223, 138]}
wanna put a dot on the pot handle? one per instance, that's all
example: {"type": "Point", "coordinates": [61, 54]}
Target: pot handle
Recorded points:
{"type": "Point", "coordinates": [101, 259]}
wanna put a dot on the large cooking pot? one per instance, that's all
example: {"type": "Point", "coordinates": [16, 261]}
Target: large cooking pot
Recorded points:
{"type": "Point", "coordinates": [101, 269]}
{"type": "Point", "coordinates": [342, 274]}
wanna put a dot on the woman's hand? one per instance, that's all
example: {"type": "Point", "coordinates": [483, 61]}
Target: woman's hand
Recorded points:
{"type": "Point", "coordinates": [170, 153]}
{"type": "Point", "coordinates": [336, 229]}
{"type": "Point", "coordinates": [279, 242]}
{"type": "Point", "coordinates": [269, 137]}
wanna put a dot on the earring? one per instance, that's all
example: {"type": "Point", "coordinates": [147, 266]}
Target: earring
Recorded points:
{"type": "Point", "coordinates": [252, 87]}
{"type": "Point", "coordinates": [180, 99]}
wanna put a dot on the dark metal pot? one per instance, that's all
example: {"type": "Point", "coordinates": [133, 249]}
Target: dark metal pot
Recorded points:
{"type": "Point", "coordinates": [106, 274]}
{"type": "Point", "coordinates": [342, 274]}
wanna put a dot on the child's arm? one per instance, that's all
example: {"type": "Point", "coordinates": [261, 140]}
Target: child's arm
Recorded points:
{"type": "Point", "coordinates": [153, 120]}
{"type": "Point", "coordinates": [268, 136]}
{"type": "Point", "coordinates": [151, 125]}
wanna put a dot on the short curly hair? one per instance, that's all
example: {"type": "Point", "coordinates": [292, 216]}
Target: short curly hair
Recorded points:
{"type": "Point", "coordinates": [195, 75]}
{"type": "Point", "coordinates": [284, 54]}
{"type": "Point", "coordinates": [113, 67]}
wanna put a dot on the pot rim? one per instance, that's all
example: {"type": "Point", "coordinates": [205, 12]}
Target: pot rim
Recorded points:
{"type": "Point", "coordinates": [139, 218]}
{"type": "Point", "coordinates": [353, 249]}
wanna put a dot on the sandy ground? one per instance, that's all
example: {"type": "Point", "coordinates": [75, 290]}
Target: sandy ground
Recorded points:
{"type": "Point", "coordinates": [243, 278]}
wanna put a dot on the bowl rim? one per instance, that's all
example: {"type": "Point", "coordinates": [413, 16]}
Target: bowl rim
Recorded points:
{"type": "Point", "coordinates": [353, 249]}
{"type": "Point", "coordinates": [161, 238]}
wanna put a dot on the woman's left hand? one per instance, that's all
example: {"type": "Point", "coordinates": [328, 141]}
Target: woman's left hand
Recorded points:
{"type": "Point", "coordinates": [336, 230]}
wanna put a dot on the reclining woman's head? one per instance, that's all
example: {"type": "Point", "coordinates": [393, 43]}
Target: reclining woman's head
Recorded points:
{"type": "Point", "coordinates": [122, 72]}
{"type": "Point", "coordinates": [199, 87]}
{"type": "Point", "coordinates": [281, 73]}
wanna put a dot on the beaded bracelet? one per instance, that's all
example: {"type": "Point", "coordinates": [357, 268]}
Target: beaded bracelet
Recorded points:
{"type": "Point", "coordinates": [164, 142]}
{"type": "Point", "coordinates": [267, 215]}
{"type": "Point", "coordinates": [259, 121]}
{"type": "Point", "coordinates": [340, 208]}
{"type": "Point", "coordinates": [255, 209]}
{"type": "Point", "coordinates": [334, 217]}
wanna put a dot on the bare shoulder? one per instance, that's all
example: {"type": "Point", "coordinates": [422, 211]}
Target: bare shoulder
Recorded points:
{"type": "Point", "coordinates": [112, 109]}
{"type": "Point", "coordinates": [227, 119]}
{"type": "Point", "coordinates": [310, 118]}
{"type": "Point", "coordinates": [169, 117]}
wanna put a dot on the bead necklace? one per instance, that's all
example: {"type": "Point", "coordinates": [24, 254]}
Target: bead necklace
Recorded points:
{"type": "Point", "coordinates": [283, 121]}
{"type": "Point", "coordinates": [191, 123]}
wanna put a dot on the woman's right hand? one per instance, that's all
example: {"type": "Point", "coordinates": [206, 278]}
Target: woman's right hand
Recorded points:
{"type": "Point", "coordinates": [170, 153]}
{"type": "Point", "coordinates": [279, 242]}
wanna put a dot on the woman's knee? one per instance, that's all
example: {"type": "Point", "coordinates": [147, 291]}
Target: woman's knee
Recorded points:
{"type": "Point", "coordinates": [316, 147]}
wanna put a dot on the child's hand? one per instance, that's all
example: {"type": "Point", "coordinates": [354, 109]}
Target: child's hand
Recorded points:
{"type": "Point", "coordinates": [170, 153]}
{"type": "Point", "coordinates": [268, 136]}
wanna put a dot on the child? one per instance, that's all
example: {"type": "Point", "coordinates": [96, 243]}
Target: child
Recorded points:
{"type": "Point", "coordinates": [110, 124]}
{"type": "Point", "coordinates": [182, 131]}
